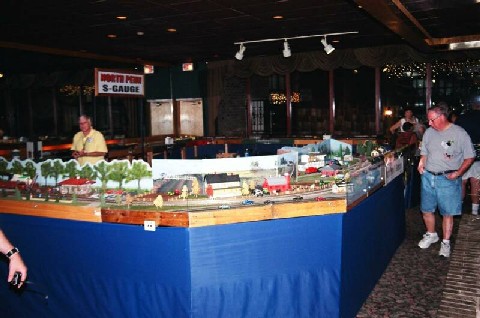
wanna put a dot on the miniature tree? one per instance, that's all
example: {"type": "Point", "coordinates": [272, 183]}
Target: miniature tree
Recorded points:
{"type": "Point", "coordinates": [209, 191]}
{"type": "Point", "coordinates": [119, 172]}
{"type": "Point", "coordinates": [245, 188]}
{"type": "Point", "coordinates": [195, 187]}
{"type": "Point", "coordinates": [158, 202]}
{"type": "Point", "coordinates": [74, 197]}
{"type": "Point", "coordinates": [58, 169]}
{"type": "Point", "coordinates": [30, 169]}
{"type": "Point", "coordinates": [128, 200]}
{"type": "Point", "coordinates": [103, 171]}
{"type": "Point", "coordinates": [138, 171]}
{"type": "Point", "coordinates": [251, 185]}
{"type": "Point", "coordinates": [368, 147]}
{"type": "Point", "coordinates": [17, 167]}
{"type": "Point", "coordinates": [3, 166]}
{"type": "Point", "coordinates": [184, 194]}
{"type": "Point", "coordinates": [46, 169]}
{"type": "Point", "coordinates": [17, 194]}
{"type": "Point", "coordinates": [118, 199]}
{"type": "Point", "coordinates": [87, 172]}
{"type": "Point", "coordinates": [102, 199]}
{"type": "Point", "coordinates": [71, 169]}
{"type": "Point", "coordinates": [361, 149]}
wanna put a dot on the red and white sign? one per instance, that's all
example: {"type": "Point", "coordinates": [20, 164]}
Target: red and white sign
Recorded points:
{"type": "Point", "coordinates": [119, 83]}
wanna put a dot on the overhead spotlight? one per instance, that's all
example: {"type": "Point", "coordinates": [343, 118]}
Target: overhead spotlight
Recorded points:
{"type": "Point", "coordinates": [239, 55]}
{"type": "Point", "coordinates": [286, 49]}
{"type": "Point", "coordinates": [327, 47]}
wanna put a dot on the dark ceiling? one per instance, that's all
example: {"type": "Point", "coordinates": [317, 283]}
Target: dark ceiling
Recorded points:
{"type": "Point", "coordinates": [54, 35]}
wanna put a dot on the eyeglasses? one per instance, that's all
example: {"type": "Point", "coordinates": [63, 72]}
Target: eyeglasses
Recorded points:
{"type": "Point", "coordinates": [433, 119]}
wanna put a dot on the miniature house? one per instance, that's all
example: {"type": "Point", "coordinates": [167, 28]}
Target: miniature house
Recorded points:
{"type": "Point", "coordinates": [329, 170]}
{"type": "Point", "coordinates": [79, 186]}
{"type": "Point", "coordinates": [223, 185]}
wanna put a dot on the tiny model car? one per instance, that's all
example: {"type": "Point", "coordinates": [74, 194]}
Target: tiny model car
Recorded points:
{"type": "Point", "coordinates": [224, 206]}
{"type": "Point", "coordinates": [247, 202]}
{"type": "Point", "coordinates": [311, 170]}
{"type": "Point", "coordinates": [297, 198]}
{"type": "Point", "coordinates": [320, 199]}
{"type": "Point", "coordinates": [258, 193]}
{"type": "Point", "coordinates": [268, 202]}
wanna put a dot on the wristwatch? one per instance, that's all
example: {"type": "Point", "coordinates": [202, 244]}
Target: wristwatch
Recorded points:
{"type": "Point", "coordinates": [12, 252]}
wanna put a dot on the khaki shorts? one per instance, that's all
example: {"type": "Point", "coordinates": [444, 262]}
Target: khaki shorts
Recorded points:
{"type": "Point", "coordinates": [473, 171]}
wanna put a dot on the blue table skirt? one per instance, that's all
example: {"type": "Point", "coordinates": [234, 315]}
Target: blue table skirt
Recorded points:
{"type": "Point", "coordinates": [319, 266]}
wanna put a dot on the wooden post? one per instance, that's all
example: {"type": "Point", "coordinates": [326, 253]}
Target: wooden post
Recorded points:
{"type": "Point", "coordinates": [110, 116]}
{"type": "Point", "coordinates": [428, 87]}
{"type": "Point", "coordinates": [249, 109]}
{"type": "Point", "coordinates": [288, 89]}
{"type": "Point", "coordinates": [331, 94]}
{"type": "Point", "coordinates": [55, 110]}
{"type": "Point", "coordinates": [378, 102]}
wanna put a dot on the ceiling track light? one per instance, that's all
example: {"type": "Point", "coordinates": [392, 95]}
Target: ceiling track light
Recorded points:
{"type": "Point", "coordinates": [286, 49]}
{"type": "Point", "coordinates": [327, 47]}
{"type": "Point", "coordinates": [241, 50]}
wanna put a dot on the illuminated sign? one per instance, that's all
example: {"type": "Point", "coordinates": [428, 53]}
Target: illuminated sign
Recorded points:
{"type": "Point", "coordinates": [119, 83]}
{"type": "Point", "coordinates": [187, 67]}
{"type": "Point", "coordinates": [148, 69]}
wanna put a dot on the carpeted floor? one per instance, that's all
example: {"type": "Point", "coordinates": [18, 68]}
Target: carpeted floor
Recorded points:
{"type": "Point", "coordinates": [412, 284]}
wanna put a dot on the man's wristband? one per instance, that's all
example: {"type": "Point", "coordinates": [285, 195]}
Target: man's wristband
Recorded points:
{"type": "Point", "coordinates": [12, 252]}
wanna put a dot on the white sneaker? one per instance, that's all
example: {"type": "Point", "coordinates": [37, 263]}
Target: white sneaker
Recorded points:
{"type": "Point", "coordinates": [428, 239]}
{"type": "Point", "coordinates": [444, 249]}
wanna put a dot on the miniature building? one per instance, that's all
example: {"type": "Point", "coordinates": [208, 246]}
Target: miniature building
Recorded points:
{"type": "Point", "coordinates": [329, 170]}
{"type": "Point", "coordinates": [223, 185]}
{"type": "Point", "coordinates": [79, 186]}
{"type": "Point", "coordinates": [277, 184]}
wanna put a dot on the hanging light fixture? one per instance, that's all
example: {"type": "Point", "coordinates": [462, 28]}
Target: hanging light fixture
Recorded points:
{"type": "Point", "coordinates": [239, 55]}
{"type": "Point", "coordinates": [327, 47]}
{"type": "Point", "coordinates": [286, 49]}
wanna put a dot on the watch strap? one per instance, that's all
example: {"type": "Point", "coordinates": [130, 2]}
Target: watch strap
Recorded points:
{"type": "Point", "coordinates": [12, 252]}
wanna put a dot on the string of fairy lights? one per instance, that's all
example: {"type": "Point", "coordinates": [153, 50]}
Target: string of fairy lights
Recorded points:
{"type": "Point", "coordinates": [281, 98]}
{"type": "Point", "coordinates": [469, 67]}
{"type": "Point", "coordinates": [74, 90]}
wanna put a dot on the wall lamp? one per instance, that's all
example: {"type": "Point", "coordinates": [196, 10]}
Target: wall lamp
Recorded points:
{"type": "Point", "coordinates": [286, 48]}
{"type": "Point", "coordinates": [327, 47]}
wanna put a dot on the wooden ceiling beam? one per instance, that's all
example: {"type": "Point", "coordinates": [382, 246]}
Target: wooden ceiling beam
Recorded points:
{"type": "Point", "coordinates": [455, 39]}
{"type": "Point", "coordinates": [78, 54]}
{"type": "Point", "coordinates": [383, 13]}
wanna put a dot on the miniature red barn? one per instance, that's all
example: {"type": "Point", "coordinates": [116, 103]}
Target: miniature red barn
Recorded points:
{"type": "Point", "coordinates": [277, 184]}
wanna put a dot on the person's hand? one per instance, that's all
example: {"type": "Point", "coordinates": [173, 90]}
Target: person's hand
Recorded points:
{"type": "Point", "coordinates": [420, 167]}
{"type": "Point", "coordinates": [453, 175]}
{"type": "Point", "coordinates": [17, 265]}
